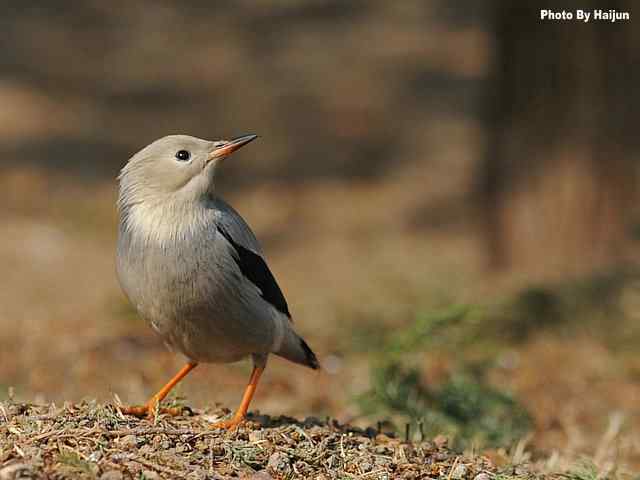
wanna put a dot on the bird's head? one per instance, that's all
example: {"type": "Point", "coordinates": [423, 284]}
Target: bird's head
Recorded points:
{"type": "Point", "coordinates": [174, 168]}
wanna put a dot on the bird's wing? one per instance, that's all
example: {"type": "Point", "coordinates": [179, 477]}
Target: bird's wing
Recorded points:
{"type": "Point", "coordinates": [248, 255]}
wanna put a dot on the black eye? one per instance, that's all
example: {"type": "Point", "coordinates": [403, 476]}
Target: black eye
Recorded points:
{"type": "Point", "coordinates": [183, 155]}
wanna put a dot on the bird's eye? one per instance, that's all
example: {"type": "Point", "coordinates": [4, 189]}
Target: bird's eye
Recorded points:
{"type": "Point", "coordinates": [183, 155]}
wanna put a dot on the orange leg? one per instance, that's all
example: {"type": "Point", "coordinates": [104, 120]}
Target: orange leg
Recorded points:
{"type": "Point", "coordinates": [241, 413]}
{"type": "Point", "coordinates": [152, 405]}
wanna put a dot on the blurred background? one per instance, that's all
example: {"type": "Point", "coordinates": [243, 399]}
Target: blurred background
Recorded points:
{"type": "Point", "coordinates": [446, 192]}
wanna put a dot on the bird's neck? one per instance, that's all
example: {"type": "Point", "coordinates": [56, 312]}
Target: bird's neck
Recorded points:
{"type": "Point", "coordinates": [163, 221]}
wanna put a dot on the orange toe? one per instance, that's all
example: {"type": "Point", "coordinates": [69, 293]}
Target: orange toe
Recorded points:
{"type": "Point", "coordinates": [150, 410]}
{"type": "Point", "coordinates": [136, 410]}
{"type": "Point", "coordinates": [230, 424]}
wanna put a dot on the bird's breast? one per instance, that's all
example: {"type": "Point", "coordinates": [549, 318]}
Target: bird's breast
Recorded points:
{"type": "Point", "coordinates": [193, 294]}
{"type": "Point", "coordinates": [169, 280]}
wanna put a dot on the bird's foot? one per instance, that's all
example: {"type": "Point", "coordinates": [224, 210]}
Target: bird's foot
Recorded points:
{"type": "Point", "coordinates": [151, 410]}
{"type": "Point", "coordinates": [231, 424]}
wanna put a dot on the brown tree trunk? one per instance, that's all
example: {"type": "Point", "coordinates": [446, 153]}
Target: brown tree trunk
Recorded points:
{"type": "Point", "coordinates": [559, 177]}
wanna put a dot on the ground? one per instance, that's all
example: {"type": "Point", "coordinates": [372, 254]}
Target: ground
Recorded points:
{"type": "Point", "coordinates": [89, 440]}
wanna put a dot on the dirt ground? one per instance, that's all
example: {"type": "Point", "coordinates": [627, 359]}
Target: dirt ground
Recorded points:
{"type": "Point", "coordinates": [91, 441]}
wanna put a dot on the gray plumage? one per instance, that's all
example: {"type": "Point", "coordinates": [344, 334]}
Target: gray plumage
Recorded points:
{"type": "Point", "coordinates": [191, 265]}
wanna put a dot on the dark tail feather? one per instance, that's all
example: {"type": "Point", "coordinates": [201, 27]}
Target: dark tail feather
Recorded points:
{"type": "Point", "coordinates": [311, 360]}
{"type": "Point", "coordinates": [295, 349]}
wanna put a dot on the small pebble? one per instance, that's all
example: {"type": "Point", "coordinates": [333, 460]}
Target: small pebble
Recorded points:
{"type": "Point", "coordinates": [278, 462]}
{"type": "Point", "coordinates": [129, 441]}
{"type": "Point", "coordinates": [197, 474]}
{"type": "Point", "coordinates": [311, 421]}
{"type": "Point", "coordinates": [459, 472]}
{"type": "Point", "coordinates": [111, 475]}
{"type": "Point", "coordinates": [95, 456]}
{"type": "Point", "coordinates": [150, 475]}
{"type": "Point", "coordinates": [133, 467]}
{"type": "Point", "coordinates": [146, 449]}
{"type": "Point", "coordinates": [261, 475]}
{"type": "Point", "coordinates": [382, 461]}
{"type": "Point", "coordinates": [482, 476]}
{"type": "Point", "coordinates": [15, 470]}
{"type": "Point", "coordinates": [440, 441]}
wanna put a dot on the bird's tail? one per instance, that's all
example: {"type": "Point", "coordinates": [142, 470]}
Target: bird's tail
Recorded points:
{"type": "Point", "coordinates": [295, 349]}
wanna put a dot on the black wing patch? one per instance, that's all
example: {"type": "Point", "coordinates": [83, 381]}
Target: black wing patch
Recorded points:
{"type": "Point", "coordinates": [255, 269]}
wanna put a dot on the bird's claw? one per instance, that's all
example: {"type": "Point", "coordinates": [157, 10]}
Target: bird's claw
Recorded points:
{"type": "Point", "coordinates": [230, 424]}
{"type": "Point", "coordinates": [151, 410]}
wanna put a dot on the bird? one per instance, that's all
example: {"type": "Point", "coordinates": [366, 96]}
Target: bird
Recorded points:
{"type": "Point", "coordinates": [193, 268]}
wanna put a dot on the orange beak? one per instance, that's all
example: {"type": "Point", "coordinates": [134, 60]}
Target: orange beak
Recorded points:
{"type": "Point", "coordinates": [231, 146]}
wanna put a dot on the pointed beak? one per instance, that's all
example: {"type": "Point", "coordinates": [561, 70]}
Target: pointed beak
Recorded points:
{"type": "Point", "coordinates": [231, 146]}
